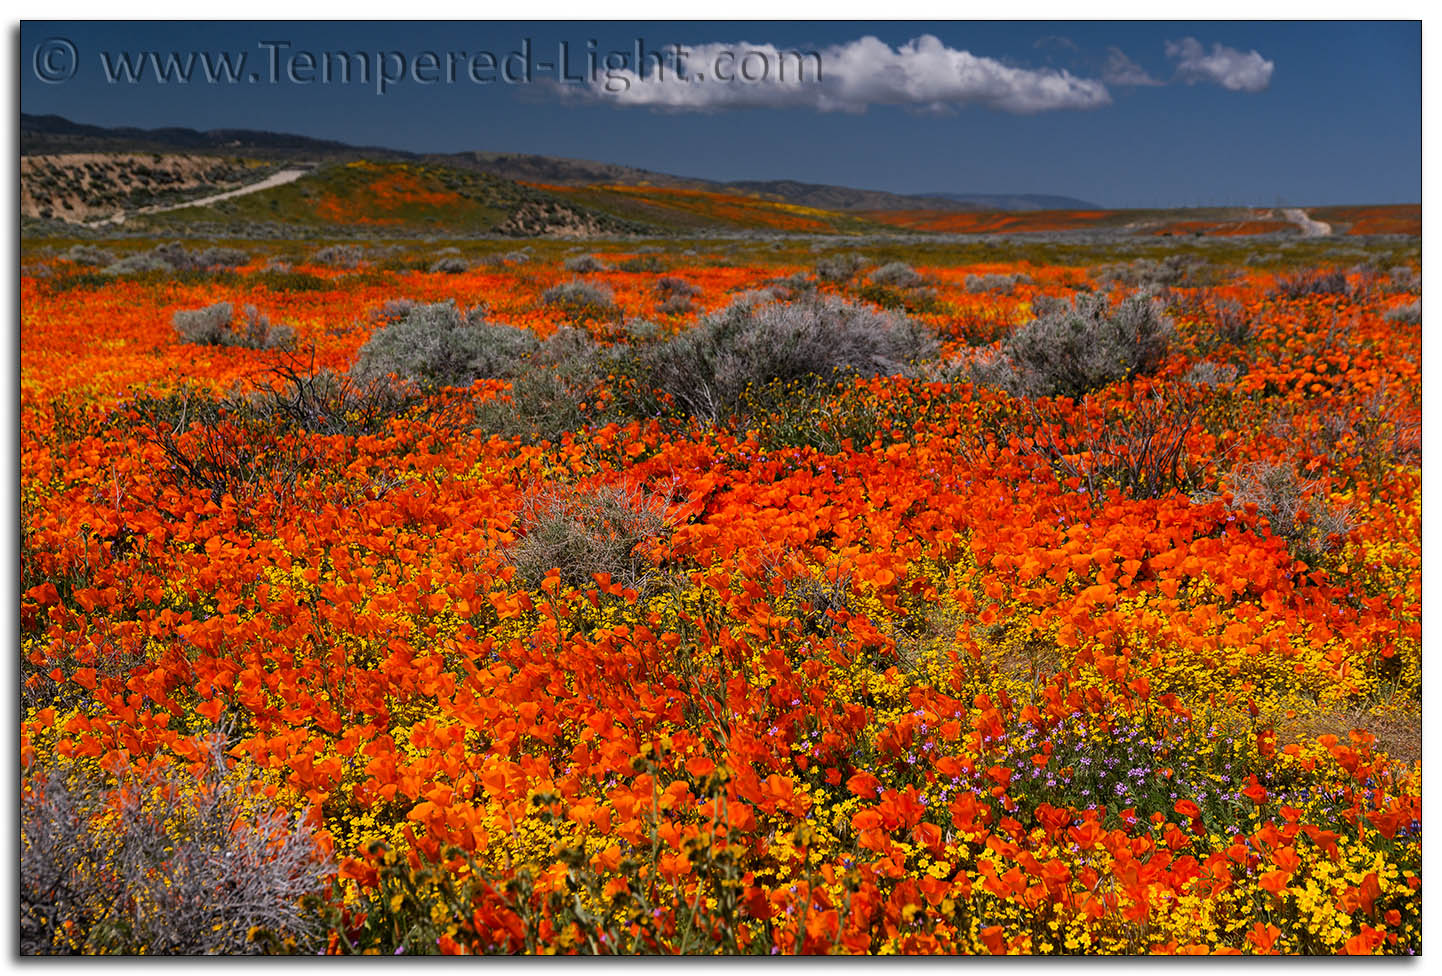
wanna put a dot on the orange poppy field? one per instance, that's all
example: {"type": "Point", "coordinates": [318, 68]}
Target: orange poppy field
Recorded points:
{"type": "Point", "coordinates": [544, 644]}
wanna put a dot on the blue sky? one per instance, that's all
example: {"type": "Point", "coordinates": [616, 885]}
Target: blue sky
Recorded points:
{"type": "Point", "coordinates": [1124, 114]}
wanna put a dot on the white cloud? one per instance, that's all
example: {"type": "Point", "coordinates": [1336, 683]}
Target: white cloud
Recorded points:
{"type": "Point", "coordinates": [1122, 71]}
{"type": "Point", "coordinates": [1225, 66]}
{"type": "Point", "coordinates": [923, 73]}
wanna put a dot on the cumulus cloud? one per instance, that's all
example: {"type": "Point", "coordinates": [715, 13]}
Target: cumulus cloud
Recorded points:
{"type": "Point", "coordinates": [1224, 66]}
{"type": "Point", "coordinates": [923, 73]}
{"type": "Point", "coordinates": [1122, 71]}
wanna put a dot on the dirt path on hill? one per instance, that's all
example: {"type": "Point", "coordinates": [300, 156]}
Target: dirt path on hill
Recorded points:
{"type": "Point", "coordinates": [278, 178]}
{"type": "Point", "coordinates": [1310, 227]}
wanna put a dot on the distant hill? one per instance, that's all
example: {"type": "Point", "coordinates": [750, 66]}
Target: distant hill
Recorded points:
{"type": "Point", "coordinates": [244, 182]}
{"type": "Point", "coordinates": [1012, 201]}
{"type": "Point", "coordinates": [558, 170]}
{"type": "Point", "coordinates": [826, 197]}
{"type": "Point", "coordinates": [54, 135]}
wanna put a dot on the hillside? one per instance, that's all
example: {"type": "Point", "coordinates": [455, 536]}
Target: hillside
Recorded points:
{"type": "Point", "coordinates": [52, 134]}
{"type": "Point", "coordinates": [407, 198]}
{"type": "Point", "coordinates": [264, 184]}
{"type": "Point", "coordinates": [85, 186]}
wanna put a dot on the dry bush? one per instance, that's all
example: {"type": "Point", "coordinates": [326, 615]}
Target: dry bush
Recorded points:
{"type": "Point", "coordinates": [1139, 450]}
{"type": "Point", "coordinates": [840, 268]}
{"type": "Point", "coordinates": [88, 254]}
{"type": "Point", "coordinates": [167, 866]}
{"type": "Point", "coordinates": [1211, 374]}
{"type": "Point", "coordinates": [1173, 271]}
{"type": "Point", "coordinates": [897, 274]}
{"type": "Point", "coordinates": [339, 255]}
{"type": "Point", "coordinates": [217, 325]}
{"type": "Point", "coordinates": [581, 299]}
{"type": "Point", "coordinates": [604, 530]}
{"type": "Point", "coordinates": [1404, 278]}
{"type": "Point", "coordinates": [1308, 525]}
{"type": "Point", "coordinates": [436, 345]}
{"type": "Point", "coordinates": [449, 265]}
{"type": "Point", "coordinates": [671, 286]}
{"type": "Point", "coordinates": [1307, 283]}
{"type": "Point", "coordinates": [585, 263]}
{"type": "Point", "coordinates": [754, 342]}
{"type": "Point", "coordinates": [1001, 284]}
{"type": "Point", "coordinates": [1409, 314]}
{"type": "Point", "coordinates": [1072, 348]}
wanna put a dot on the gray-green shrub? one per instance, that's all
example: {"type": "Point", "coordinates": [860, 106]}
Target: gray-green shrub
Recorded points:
{"type": "Point", "coordinates": [581, 298]}
{"type": "Point", "coordinates": [1072, 348]}
{"type": "Point", "coordinates": [585, 263]}
{"type": "Point", "coordinates": [670, 286]}
{"type": "Point", "coordinates": [1307, 283]}
{"type": "Point", "coordinates": [178, 865]}
{"type": "Point", "coordinates": [840, 268]}
{"type": "Point", "coordinates": [217, 325]}
{"type": "Point", "coordinates": [89, 254]}
{"type": "Point", "coordinates": [603, 530]}
{"type": "Point", "coordinates": [1309, 526]}
{"type": "Point", "coordinates": [339, 255]}
{"type": "Point", "coordinates": [897, 274]}
{"type": "Point", "coordinates": [449, 265]}
{"type": "Point", "coordinates": [756, 341]}
{"type": "Point", "coordinates": [1409, 314]}
{"type": "Point", "coordinates": [1002, 284]}
{"type": "Point", "coordinates": [436, 345]}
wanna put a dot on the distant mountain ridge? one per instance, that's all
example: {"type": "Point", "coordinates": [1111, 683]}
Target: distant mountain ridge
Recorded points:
{"type": "Point", "coordinates": [1018, 201]}
{"type": "Point", "coordinates": [54, 134]}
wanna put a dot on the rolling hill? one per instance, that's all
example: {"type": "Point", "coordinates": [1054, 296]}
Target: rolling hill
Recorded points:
{"type": "Point", "coordinates": [170, 180]}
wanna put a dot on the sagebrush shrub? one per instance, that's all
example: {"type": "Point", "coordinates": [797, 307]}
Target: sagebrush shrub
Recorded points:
{"type": "Point", "coordinates": [1002, 284]}
{"type": "Point", "coordinates": [1173, 271]}
{"type": "Point", "coordinates": [840, 268]}
{"type": "Point", "coordinates": [1232, 323]}
{"type": "Point", "coordinates": [221, 257]}
{"type": "Point", "coordinates": [675, 305]}
{"type": "Point", "coordinates": [172, 256]}
{"type": "Point", "coordinates": [395, 309]}
{"type": "Point", "coordinates": [755, 341]}
{"type": "Point", "coordinates": [1210, 374]}
{"type": "Point", "coordinates": [1306, 283]}
{"type": "Point", "coordinates": [1405, 278]}
{"type": "Point", "coordinates": [1409, 314]}
{"type": "Point", "coordinates": [585, 264]}
{"type": "Point", "coordinates": [449, 265]}
{"type": "Point", "coordinates": [163, 257]}
{"type": "Point", "coordinates": [218, 325]}
{"type": "Point", "coordinates": [673, 287]}
{"type": "Point", "coordinates": [581, 299]}
{"type": "Point", "coordinates": [88, 254]}
{"type": "Point", "coordinates": [604, 530]}
{"type": "Point", "coordinates": [339, 255]}
{"type": "Point", "coordinates": [1308, 525]}
{"type": "Point", "coordinates": [897, 274]}
{"type": "Point", "coordinates": [162, 866]}
{"type": "Point", "coordinates": [1074, 347]}
{"type": "Point", "coordinates": [436, 345]}
{"type": "Point", "coordinates": [642, 330]}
